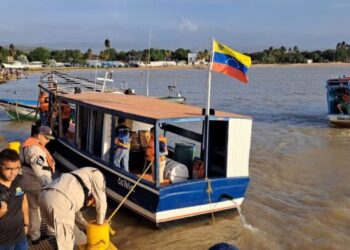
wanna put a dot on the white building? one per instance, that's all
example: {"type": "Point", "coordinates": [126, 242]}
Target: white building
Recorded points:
{"type": "Point", "coordinates": [191, 58]}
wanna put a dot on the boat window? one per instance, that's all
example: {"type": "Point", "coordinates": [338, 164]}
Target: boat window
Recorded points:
{"type": "Point", "coordinates": [338, 100]}
{"type": "Point", "coordinates": [96, 128]}
{"type": "Point", "coordinates": [133, 135]}
{"type": "Point", "coordinates": [68, 121]}
{"type": "Point", "coordinates": [82, 131]}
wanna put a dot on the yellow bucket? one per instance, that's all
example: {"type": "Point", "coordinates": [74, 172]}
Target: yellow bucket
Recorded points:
{"type": "Point", "coordinates": [14, 145]}
{"type": "Point", "coordinates": [98, 236]}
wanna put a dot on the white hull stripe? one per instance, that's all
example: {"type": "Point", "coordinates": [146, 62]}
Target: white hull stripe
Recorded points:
{"type": "Point", "coordinates": [108, 169]}
{"type": "Point", "coordinates": [179, 213]}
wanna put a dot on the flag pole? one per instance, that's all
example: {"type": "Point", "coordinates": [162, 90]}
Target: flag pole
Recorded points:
{"type": "Point", "coordinates": [207, 113]}
{"type": "Point", "coordinates": [209, 79]}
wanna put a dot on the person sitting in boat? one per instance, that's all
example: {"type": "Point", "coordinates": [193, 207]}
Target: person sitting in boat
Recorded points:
{"type": "Point", "coordinates": [122, 144]}
{"type": "Point", "coordinates": [163, 151]}
{"type": "Point", "coordinates": [343, 106]}
{"type": "Point", "coordinates": [44, 107]}
{"type": "Point", "coordinates": [66, 110]}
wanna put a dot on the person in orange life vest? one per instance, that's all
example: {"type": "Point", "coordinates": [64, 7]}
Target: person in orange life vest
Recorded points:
{"type": "Point", "coordinates": [163, 151]}
{"type": "Point", "coordinates": [44, 107]}
{"type": "Point", "coordinates": [65, 111]}
{"type": "Point", "coordinates": [343, 107]}
{"type": "Point", "coordinates": [38, 167]}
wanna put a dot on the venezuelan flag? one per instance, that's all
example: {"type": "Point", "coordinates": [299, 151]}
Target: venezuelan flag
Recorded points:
{"type": "Point", "coordinates": [230, 62]}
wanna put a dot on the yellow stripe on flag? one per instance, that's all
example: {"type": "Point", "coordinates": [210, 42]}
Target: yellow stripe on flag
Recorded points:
{"type": "Point", "coordinates": [222, 48]}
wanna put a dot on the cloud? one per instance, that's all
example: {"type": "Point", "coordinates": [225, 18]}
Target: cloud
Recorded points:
{"type": "Point", "coordinates": [187, 25]}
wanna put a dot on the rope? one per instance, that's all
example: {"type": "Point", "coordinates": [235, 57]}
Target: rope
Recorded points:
{"type": "Point", "coordinates": [126, 197]}
{"type": "Point", "coordinates": [28, 114]}
{"type": "Point", "coordinates": [210, 191]}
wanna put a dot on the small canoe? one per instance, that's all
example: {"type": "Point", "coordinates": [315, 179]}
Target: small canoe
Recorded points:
{"type": "Point", "coordinates": [19, 109]}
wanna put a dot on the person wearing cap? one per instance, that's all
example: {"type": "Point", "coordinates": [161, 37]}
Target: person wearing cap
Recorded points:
{"type": "Point", "coordinates": [38, 167]}
{"type": "Point", "coordinates": [61, 201]}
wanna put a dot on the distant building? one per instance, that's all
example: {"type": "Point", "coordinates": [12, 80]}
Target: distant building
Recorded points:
{"type": "Point", "coordinates": [191, 58]}
{"type": "Point", "coordinates": [309, 61]}
{"type": "Point", "coordinates": [10, 59]}
{"type": "Point", "coordinates": [94, 63]}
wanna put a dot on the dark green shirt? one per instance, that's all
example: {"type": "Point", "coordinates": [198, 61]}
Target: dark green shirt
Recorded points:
{"type": "Point", "coordinates": [11, 223]}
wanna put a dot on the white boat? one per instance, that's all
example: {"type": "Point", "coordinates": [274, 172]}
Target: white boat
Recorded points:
{"type": "Point", "coordinates": [15, 65]}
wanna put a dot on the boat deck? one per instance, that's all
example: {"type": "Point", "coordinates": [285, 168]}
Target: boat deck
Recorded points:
{"type": "Point", "coordinates": [143, 106]}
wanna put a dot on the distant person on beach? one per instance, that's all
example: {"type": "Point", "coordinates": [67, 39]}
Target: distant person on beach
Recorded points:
{"type": "Point", "coordinates": [122, 144]}
{"type": "Point", "coordinates": [343, 106]}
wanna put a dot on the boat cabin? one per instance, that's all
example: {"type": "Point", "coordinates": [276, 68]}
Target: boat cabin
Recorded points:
{"type": "Point", "coordinates": [337, 93]}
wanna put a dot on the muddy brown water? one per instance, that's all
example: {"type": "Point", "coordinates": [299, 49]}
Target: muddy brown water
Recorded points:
{"type": "Point", "coordinates": [299, 194]}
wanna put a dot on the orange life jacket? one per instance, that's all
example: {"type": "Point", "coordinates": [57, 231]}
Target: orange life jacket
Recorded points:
{"type": "Point", "coordinates": [44, 102]}
{"type": "Point", "coordinates": [31, 141]}
{"type": "Point", "coordinates": [65, 111]}
{"type": "Point", "coordinates": [346, 98]}
{"type": "Point", "coordinates": [150, 148]}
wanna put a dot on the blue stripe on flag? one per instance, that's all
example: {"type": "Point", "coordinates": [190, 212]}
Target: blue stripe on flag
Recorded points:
{"type": "Point", "coordinates": [228, 60]}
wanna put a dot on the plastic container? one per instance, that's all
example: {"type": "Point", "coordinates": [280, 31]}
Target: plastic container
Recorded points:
{"type": "Point", "coordinates": [184, 153]}
{"type": "Point", "coordinates": [98, 236]}
{"type": "Point", "coordinates": [175, 171]}
{"type": "Point", "coordinates": [15, 145]}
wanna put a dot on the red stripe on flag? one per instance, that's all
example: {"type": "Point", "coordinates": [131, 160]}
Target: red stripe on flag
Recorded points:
{"type": "Point", "coordinates": [230, 71]}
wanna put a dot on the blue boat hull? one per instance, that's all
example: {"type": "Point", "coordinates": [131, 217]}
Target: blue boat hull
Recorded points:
{"type": "Point", "coordinates": [160, 204]}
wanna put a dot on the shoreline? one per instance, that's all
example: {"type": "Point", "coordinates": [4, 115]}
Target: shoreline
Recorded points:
{"type": "Point", "coordinates": [187, 67]}
{"type": "Point", "coordinates": [180, 67]}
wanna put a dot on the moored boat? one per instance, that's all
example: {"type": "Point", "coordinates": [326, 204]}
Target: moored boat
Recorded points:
{"type": "Point", "coordinates": [174, 96]}
{"type": "Point", "coordinates": [188, 188]}
{"type": "Point", "coordinates": [338, 90]}
{"type": "Point", "coordinates": [19, 109]}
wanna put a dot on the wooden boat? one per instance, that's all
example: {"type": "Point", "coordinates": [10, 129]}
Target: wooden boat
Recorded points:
{"type": "Point", "coordinates": [188, 189]}
{"type": "Point", "coordinates": [19, 109]}
{"type": "Point", "coordinates": [338, 90]}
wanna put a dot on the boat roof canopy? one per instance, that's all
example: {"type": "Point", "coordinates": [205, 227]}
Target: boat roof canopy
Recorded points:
{"type": "Point", "coordinates": [338, 81]}
{"type": "Point", "coordinates": [148, 109]}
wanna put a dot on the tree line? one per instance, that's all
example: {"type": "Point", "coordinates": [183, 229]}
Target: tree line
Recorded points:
{"type": "Point", "coordinates": [281, 55]}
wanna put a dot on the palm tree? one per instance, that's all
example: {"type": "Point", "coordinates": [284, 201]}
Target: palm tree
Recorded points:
{"type": "Point", "coordinates": [107, 43]}
{"type": "Point", "coordinates": [88, 54]}
{"type": "Point", "coordinates": [105, 53]}
{"type": "Point", "coordinates": [12, 50]}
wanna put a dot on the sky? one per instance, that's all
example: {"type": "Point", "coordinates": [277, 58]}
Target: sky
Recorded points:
{"type": "Point", "coordinates": [247, 25]}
